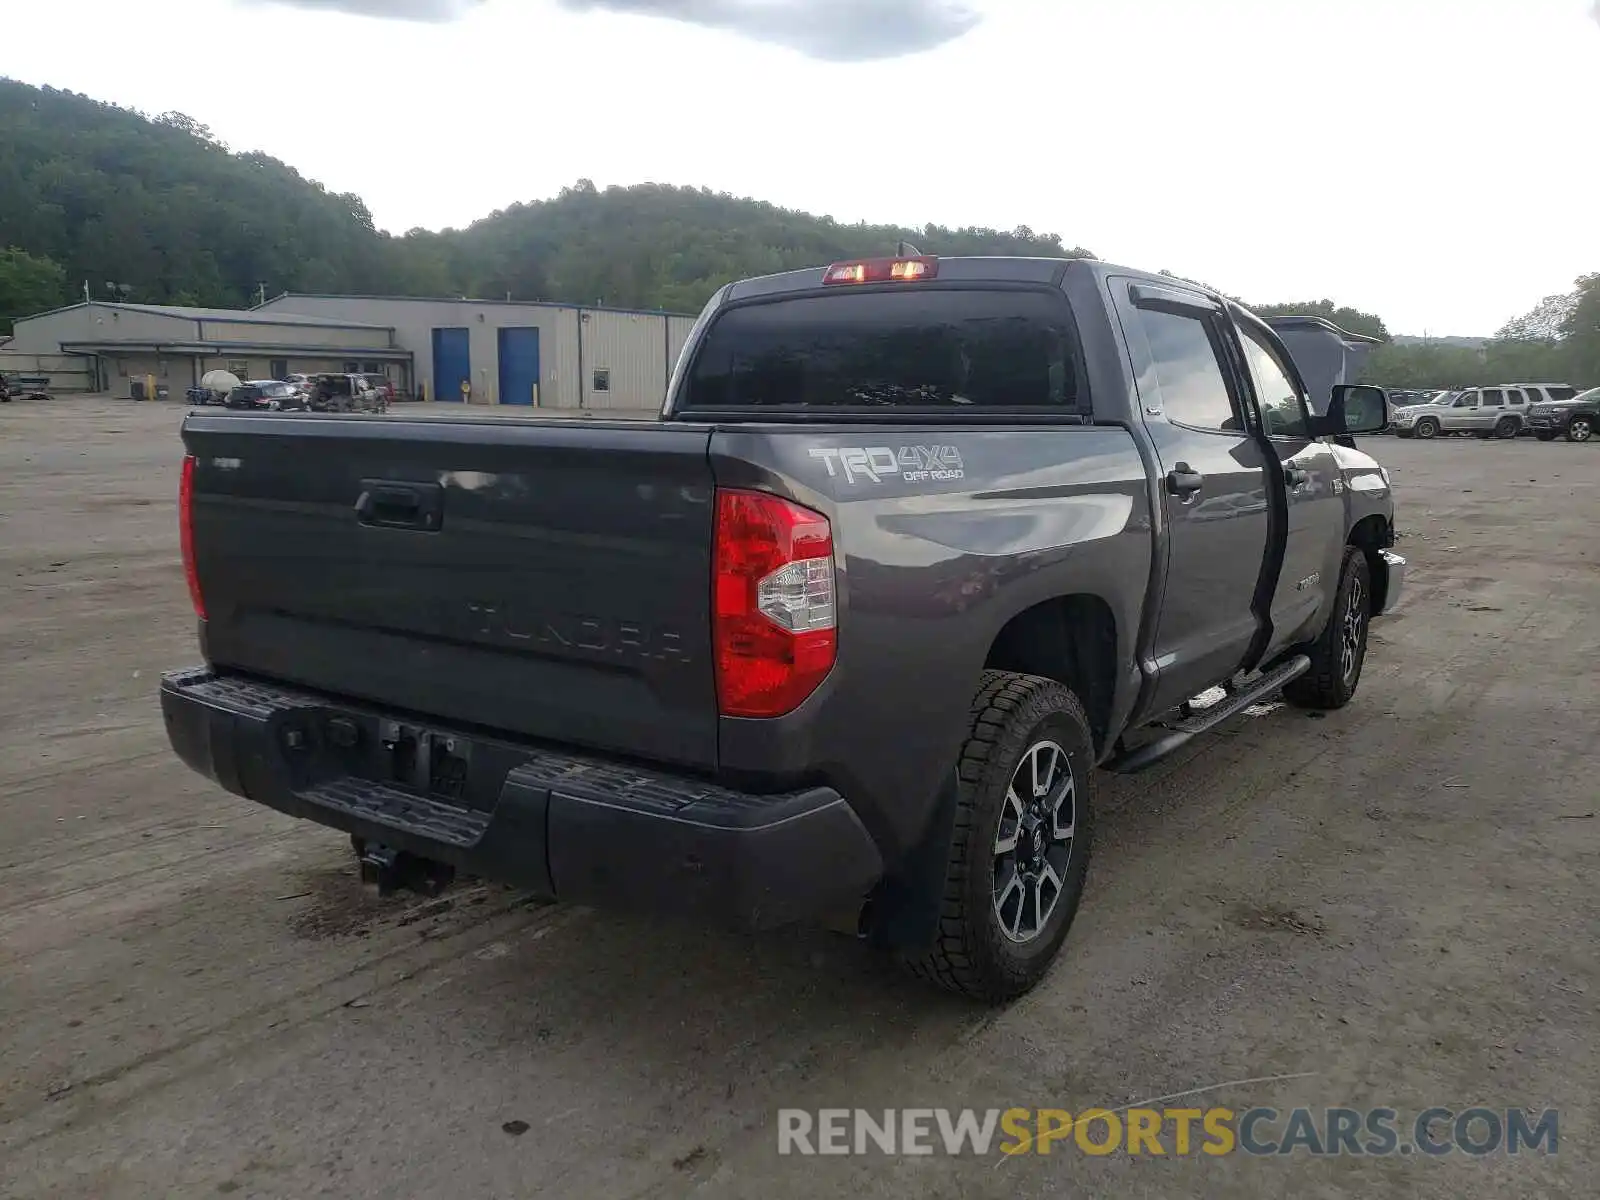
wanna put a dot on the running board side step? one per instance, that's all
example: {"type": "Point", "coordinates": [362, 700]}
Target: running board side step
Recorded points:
{"type": "Point", "coordinates": [1236, 702]}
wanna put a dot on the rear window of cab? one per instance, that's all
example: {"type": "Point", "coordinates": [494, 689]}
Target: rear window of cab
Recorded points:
{"type": "Point", "coordinates": [907, 348]}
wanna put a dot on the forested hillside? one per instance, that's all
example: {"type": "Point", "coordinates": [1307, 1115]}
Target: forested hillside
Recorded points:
{"type": "Point", "coordinates": [156, 210]}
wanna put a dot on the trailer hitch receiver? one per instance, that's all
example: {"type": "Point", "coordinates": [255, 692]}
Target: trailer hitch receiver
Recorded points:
{"type": "Point", "coordinates": [394, 870]}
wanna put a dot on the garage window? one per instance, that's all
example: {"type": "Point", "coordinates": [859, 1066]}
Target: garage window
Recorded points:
{"type": "Point", "coordinates": [602, 380]}
{"type": "Point", "coordinates": [239, 367]}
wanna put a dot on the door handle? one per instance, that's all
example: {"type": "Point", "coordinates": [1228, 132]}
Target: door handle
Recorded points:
{"type": "Point", "coordinates": [1183, 480]}
{"type": "Point", "coordinates": [1296, 476]}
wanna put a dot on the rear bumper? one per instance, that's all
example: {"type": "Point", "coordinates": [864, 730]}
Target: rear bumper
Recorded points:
{"type": "Point", "coordinates": [563, 825]}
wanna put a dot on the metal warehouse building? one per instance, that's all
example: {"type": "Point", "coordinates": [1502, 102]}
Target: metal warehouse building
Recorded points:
{"type": "Point", "coordinates": [482, 351]}
{"type": "Point", "coordinates": [518, 352]}
{"type": "Point", "coordinates": [95, 347]}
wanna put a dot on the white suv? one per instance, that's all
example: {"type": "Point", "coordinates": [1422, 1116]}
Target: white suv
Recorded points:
{"type": "Point", "coordinates": [1499, 411]}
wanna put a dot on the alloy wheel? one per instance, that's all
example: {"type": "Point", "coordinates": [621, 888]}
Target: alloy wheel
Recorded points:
{"type": "Point", "coordinates": [1355, 620]}
{"type": "Point", "coordinates": [1033, 842]}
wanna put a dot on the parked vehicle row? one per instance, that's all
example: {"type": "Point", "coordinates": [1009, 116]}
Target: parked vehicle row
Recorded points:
{"type": "Point", "coordinates": [1501, 411]}
{"type": "Point", "coordinates": [299, 393]}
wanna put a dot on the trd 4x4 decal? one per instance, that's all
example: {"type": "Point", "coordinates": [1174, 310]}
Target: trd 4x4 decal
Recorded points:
{"type": "Point", "coordinates": [914, 464]}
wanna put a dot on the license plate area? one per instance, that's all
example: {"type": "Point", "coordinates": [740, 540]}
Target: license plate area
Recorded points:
{"type": "Point", "coordinates": [435, 764]}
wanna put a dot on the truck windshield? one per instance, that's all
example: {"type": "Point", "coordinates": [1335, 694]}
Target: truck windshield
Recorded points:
{"type": "Point", "coordinates": [912, 348]}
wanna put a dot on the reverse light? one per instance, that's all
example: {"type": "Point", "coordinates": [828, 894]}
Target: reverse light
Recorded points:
{"type": "Point", "coordinates": [774, 614]}
{"type": "Point", "coordinates": [882, 270]}
{"type": "Point", "coordinates": [186, 534]}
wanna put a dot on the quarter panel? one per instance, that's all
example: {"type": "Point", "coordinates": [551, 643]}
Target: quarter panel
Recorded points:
{"type": "Point", "coordinates": [941, 535]}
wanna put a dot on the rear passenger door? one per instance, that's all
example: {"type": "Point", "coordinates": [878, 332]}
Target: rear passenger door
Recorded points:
{"type": "Point", "coordinates": [1492, 408]}
{"type": "Point", "coordinates": [1213, 485]}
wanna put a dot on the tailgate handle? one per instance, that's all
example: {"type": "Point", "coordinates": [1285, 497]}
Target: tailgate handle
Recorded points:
{"type": "Point", "coordinates": [400, 505]}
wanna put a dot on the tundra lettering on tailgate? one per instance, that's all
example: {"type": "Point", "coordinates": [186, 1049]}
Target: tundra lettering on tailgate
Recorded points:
{"type": "Point", "coordinates": [572, 634]}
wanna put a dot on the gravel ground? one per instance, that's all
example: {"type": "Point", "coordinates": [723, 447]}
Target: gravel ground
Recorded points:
{"type": "Point", "coordinates": [1394, 903]}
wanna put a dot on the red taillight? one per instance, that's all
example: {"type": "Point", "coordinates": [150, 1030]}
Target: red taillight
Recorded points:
{"type": "Point", "coordinates": [186, 534]}
{"type": "Point", "coordinates": [882, 270]}
{"type": "Point", "coordinates": [773, 604]}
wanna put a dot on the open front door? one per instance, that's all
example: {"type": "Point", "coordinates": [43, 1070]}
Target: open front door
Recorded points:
{"type": "Point", "coordinates": [1307, 473]}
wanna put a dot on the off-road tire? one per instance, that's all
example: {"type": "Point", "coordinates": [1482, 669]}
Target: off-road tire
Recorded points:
{"type": "Point", "coordinates": [1327, 685]}
{"type": "Point", "coordinates": [971, 954]}
{"type": "Point", "coordinates": [1506, 427]}
{"type": "Point", "coordinates": [1580, 429]}
{"type": "Point", "coordinates": [1426, 428]}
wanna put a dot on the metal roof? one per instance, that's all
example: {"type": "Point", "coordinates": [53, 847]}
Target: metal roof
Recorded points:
{"type": "Point", "coordinates": [232, 316]}
{"type": "Point", "coordinates": [594, 308]}
{"type": "Point", "coordinates": [274, 349]}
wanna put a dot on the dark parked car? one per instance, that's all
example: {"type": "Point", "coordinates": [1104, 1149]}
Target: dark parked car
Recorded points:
{"type": "Point", "coordinates": [917, 546]}
{"type": "Point", "coordinates": [346, 394]}
{"type": "Point", "coordinates": [1576, 419]}
{"type": "Point", "coordinates": [270, 394]}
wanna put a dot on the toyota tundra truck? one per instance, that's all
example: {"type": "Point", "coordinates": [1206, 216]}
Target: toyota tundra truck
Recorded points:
{"type": "Point", "coordinates": [917, 546]}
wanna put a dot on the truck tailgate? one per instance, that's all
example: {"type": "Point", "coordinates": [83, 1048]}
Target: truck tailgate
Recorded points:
{"type": "Point", "coordinates": [550, 579]}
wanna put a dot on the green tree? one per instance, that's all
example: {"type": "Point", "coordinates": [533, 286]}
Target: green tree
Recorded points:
{"type": "Point", "coordinates": [29, 284]}
{"type": "Point", "coordinates": [1581, 333]}
{"type": "Point", "coordinates": [1352, 320]}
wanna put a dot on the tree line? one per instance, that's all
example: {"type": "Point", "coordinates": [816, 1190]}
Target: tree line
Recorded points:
{"type": "Point", "coordinates": [157, 210]}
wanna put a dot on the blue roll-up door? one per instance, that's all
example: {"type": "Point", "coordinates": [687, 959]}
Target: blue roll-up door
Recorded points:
{"type": "Point", "coordinates": [452, 362]}
{"type": "Point", "coordinates": [519, 365]}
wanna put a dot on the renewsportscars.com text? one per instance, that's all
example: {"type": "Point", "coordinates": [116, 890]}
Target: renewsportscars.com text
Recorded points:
{"type": "Point", "coordinates": [1375, 1132]}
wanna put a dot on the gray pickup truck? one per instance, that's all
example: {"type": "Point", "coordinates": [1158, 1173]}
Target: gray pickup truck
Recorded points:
{"type": "Point", "coordinates": [917, 546]}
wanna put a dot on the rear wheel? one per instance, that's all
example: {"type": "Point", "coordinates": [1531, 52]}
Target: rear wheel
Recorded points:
{"type": "Point", "coordinates": [1341, 649]}
{"type": "Point", "coordinates": [1506, 427]}
{"type": "Point", "coordinates": [1427, 428]}
{"type": "Point", "coordinates": [1545, 437]}
{"type": "Point", "coordinates": [1019, 852]}
{"type": "Point", "coordinates": [1580, 429]}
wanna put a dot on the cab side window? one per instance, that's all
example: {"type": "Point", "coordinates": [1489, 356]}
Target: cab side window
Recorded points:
{"type": "Point", "coordinates": [1283, 411]}
{"type": "Point", "coordinates": [1494, 398]}
{"type": "Point", "coordinates": [1467, 400]}
{"type": "Point", "coordinates": [1188, 369]}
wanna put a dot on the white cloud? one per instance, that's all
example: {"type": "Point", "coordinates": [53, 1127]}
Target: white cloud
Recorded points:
{"type": "Point", "coordinates": [830, 30]}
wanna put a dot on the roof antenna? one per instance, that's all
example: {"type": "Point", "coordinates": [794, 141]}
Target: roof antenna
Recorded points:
{"type": "Point", "coordinates": [907, 250]}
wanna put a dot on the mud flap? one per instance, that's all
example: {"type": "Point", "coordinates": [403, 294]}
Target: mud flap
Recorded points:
{"type": "Point", "coordinates": [906, 908]}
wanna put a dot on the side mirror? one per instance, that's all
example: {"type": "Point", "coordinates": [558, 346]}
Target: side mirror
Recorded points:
{"type": "Point", "coordinates": [1356, 408]}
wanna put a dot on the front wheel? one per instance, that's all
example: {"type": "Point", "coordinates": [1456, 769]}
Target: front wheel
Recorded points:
{"type": "Point", "coordinates": [1341, 649]}
{"type": "Point", "coordinates": [1427, 428]}
{"type": "Point", "coordinates": [1580, 429]}
{"type": "Point", "coordinates": [1019, 850]}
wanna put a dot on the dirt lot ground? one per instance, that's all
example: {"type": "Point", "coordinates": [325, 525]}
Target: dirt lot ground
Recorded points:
{"type": "Point", "coordinates": [1395, 903]}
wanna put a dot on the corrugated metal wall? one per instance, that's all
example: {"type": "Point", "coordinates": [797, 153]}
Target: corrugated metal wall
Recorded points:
{"type": "Point", "coordinates": [303, 336]}
{"type": "Point", "coordinates": [624, 359]}
{"type": "Point", "coordinates": [63, 372]}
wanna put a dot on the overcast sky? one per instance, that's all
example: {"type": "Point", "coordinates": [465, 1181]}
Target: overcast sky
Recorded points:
{"type": "Point", "coordinates": [1430, 160]}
